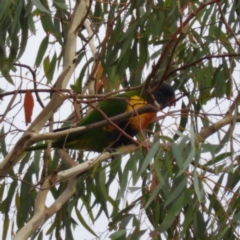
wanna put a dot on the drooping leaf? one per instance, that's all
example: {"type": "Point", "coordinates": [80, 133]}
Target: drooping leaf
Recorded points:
{"type": "Point", "coordinates": [40, 6]}
{"type": "Point", "coordinates": [41, 51]}
{"type": "Point", "coordinates": [28, 106]}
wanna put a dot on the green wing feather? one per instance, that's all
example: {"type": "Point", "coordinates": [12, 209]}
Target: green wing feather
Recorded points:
{"type": "Point", "coordinates": [96, 139]}
{"type": "Point", "coordinates": [99, 138]}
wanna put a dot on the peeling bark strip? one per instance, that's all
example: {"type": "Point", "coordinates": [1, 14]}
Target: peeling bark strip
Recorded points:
{"type": "Point", "coordinates": [78, 17]}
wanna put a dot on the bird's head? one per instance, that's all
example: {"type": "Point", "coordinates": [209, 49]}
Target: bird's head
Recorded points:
{"type": "Point", "coordinates": [165, 95]}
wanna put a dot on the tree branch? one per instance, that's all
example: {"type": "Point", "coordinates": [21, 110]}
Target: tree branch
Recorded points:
{"type": "Point", "coordinates": [207, 132]}
{"type": "Point", "coordinates": [78, 16]}
{"type": "Point", "coordinates": [85, 166]}
{"type": "Point", "coordinates": [39, 214]}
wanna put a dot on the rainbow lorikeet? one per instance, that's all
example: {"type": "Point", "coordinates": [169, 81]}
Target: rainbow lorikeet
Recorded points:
{"type": "Point", "coordinates": [107, 137]}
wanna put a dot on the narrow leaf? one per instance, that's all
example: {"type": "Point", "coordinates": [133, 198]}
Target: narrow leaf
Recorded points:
{"type": "Point", "coordinates": [178, 156]}
{"type": "Point", "coordinates": [149, 157]}
{"type": "Point", "coordinates": [153, 194]}
{"type": "Point", "coordinates": [172, 213]}
{"type": "Point", "coordinates": [39, 5]}
{"type": "Point", "coordinates": [41, 51]}
{"type": "Point", "coordinates": [178, 190]}
{"type": "Point", "coordinates": [196, 186]}
{"type": "Point", "coordinates": [187, 162]}
{"type": "Point", "coordinates": [83, 222]}
{"type": "Point", "coordinates": [5, 227]}
{"type": "Point", "coordinates": [117, 234]}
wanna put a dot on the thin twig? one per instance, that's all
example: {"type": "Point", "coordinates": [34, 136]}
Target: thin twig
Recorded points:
{"type": "Point", "coordinates": [227, 25]}
{"type": "Point", "coordinates": [200, 60]}
{"type": "Point", "coordinates": [34, 81]}
{"type": "Point", "coordinates": [10, 103]}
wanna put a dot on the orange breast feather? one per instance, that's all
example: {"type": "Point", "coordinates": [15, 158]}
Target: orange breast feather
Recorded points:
{"type": "Point", "coordinates": [139, 122]}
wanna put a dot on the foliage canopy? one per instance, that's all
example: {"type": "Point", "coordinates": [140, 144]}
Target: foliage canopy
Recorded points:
{"type": "Point", "coordinates": [185, 183]}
